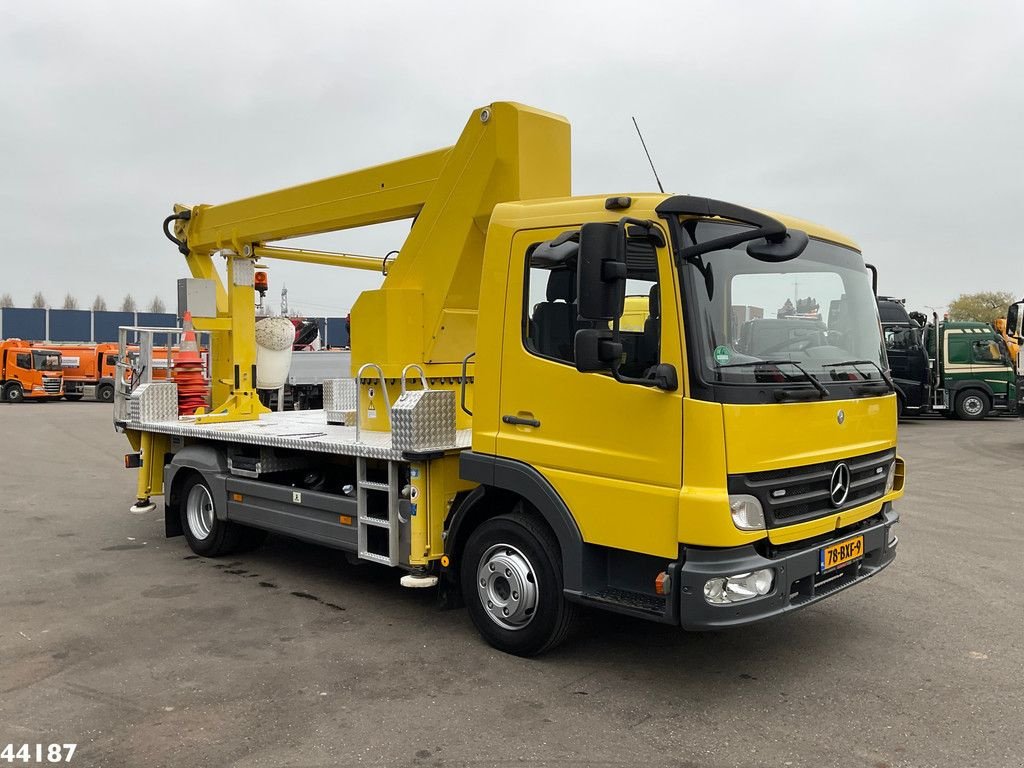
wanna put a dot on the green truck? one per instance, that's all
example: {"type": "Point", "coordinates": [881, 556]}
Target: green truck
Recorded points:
{"type": "Point", "coordinates": [974, 375]}
{"type": "Point", "coordinates": [959, 369]}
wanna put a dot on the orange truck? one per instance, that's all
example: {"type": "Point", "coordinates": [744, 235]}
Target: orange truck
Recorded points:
{"type": "Point", "coordinates": [29, 373]}
{"type": "Point", "coordinates": [89, 369]}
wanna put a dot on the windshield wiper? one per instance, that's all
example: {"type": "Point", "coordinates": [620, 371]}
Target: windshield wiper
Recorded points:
{"type": "Point", "coordinates": [881, 371]}
{"type": "Point", "coordinates": [807, 375]}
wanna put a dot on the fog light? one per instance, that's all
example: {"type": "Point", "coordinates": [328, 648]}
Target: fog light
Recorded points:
{"type": "Point", "coordinates": [739, 587]}
{"type": "Point", "coordinates": [891, 537]}
{"type": "Point", "coordinates": [890, 479]}
{"type": "Point", "coordinates": [746, 511]}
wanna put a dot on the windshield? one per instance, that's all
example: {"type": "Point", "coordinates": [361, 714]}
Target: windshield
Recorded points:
{"type": "Point", "coordinates": [761, 323]}
{"type": "Point", "coordinates": [43, 360]}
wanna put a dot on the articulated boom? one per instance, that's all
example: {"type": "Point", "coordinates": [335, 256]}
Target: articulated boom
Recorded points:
{"type": "Point", "coordinates": [426, 310]}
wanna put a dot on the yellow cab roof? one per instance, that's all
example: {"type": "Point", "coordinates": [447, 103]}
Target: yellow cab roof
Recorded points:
{"type": "Point", "coordinates": [559, 211]}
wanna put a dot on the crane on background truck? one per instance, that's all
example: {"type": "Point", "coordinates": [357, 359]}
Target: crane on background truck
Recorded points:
{"type": "Point", "coordinates": [506, 438]}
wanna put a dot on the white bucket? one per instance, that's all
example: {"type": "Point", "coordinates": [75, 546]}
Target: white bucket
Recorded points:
{"type": "Point", "coordinates": [274, 338]}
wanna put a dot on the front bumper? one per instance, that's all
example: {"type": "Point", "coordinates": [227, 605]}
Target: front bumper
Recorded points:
{"type": "Point", "coordinates": [797, 581]}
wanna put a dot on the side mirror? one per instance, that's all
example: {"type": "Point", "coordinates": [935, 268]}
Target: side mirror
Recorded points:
{"type": "Point", "coordinates": [601, 272]}
{"type": "Point", "coordinates": [596, 350]}
{"type": "Point", "coordinates": [789, 247]}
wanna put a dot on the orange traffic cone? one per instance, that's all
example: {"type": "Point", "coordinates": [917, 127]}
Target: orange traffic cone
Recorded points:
{"type": "Point", "coordinates": [188, 371]}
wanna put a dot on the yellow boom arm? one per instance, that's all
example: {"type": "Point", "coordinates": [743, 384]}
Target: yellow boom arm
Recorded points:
{"type": "Point", "coordinates": [426, 310]}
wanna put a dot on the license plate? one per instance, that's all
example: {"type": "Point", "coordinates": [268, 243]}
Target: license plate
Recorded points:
{"type": "Point", "coordinates": [836, 555]}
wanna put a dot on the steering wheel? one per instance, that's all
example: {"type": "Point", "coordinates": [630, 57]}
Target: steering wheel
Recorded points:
{"type": "Point", "coordinates": [797, 345]}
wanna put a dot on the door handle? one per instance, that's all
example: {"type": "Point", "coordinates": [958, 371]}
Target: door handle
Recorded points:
{"type": "Point", "coordinates": [520, 421]}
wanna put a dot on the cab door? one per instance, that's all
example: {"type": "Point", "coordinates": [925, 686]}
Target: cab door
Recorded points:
{"type": "Point", "coordinates": [612, 451]}
{"type": "Point", "coordinates": [991, 364]}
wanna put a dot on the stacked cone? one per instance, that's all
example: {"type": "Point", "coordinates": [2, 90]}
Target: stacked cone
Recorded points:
{"type": "Point", "coordinates": [188, 371]}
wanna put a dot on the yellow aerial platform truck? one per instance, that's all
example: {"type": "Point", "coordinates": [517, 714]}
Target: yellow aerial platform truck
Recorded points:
{"type": "Point", "coordinates": [502, 436]}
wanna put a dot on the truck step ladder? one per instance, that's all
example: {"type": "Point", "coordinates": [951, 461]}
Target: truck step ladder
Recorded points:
{"type": "Point", "coordinates": [377, 513]}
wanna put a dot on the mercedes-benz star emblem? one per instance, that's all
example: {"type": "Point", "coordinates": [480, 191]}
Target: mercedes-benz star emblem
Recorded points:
{"type": "Point", "coordinates": [839, 485]}
{"type": "Point", "coordinates": [841, 416]}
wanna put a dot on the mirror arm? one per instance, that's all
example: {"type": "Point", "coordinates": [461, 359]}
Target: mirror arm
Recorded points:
{"type": "Point", "coordinates": [661, 380]}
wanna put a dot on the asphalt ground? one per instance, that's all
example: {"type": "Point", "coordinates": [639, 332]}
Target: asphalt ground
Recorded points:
{"type": "Point", "coordinates": [121, 641]}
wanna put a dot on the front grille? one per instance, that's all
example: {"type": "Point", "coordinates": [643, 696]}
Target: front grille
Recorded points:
{"type": "Point", "coordinates": [796, 494]}
{"type": "Point", "coordinates": [51, 385]}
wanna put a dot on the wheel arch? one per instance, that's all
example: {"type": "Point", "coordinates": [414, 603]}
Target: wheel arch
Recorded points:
{"type": "Point", "coordinates": [959, 386]}
{"type": "Point", "coordinates": [204, 460]}
{"type": "Point", "coordinates": [502, 483]}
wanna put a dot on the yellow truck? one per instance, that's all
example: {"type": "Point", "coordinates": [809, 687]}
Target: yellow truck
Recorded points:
{"type": "Point", "coordinates": [505, 438]}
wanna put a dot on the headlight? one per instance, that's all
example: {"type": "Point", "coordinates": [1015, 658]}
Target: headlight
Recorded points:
{"type": "Point", "coordinates": [739, 587]}
{"type": "Point", "coordinates": [890, 480]}
{"type": "Point", "coordinates": [747, 514]}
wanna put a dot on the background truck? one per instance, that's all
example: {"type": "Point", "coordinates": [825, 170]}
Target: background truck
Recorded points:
{"type": "Point", "coordinates": [504, 438]}
{"type": "Point", "coordinates": [89, 369]}
{"type": "Point", "coordinates": [27, 373]}
{"type": "Point", "coordinates": [959, 369]}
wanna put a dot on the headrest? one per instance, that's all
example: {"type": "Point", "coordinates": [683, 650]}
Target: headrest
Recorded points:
{"type": "Point", "coordinates": [562, 285]}
{"type": "Point", "coordinates": [654, 301]}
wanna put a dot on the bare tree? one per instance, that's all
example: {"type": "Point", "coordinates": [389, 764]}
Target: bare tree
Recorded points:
{"type": "Point", "coordinates": [128, 305]}
{"type": "Point", "coordinates": [157, 305]}
{"type": "Point", "coordinates": [70, 302]}
{"type": "Point", "coordinates": [6, 301]}
{"type": "Point", "coordinates": [99, 304]}
{"type": "Point", "coordinates": [39, 301]}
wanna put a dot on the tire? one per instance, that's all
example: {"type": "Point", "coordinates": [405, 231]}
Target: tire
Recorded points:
{"type": "Point", "coordinates": [512, 564]}
{"type": "Point", "coordinates": [901, 407]}
{"type": "Point", "coordinates": [205, 534]}
{"type": "Point", "coordinates": [73, 398]}
{"type": "Point", "coordinates": [972, 405]}
{"type": "Point", "coordinates": [13, 393]}
{"type": "Point", "coordinates": [105, 393]}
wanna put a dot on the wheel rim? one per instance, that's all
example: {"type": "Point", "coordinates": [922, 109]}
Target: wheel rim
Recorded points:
{"type": "Point", "coordinates": [972, 405]}
{"type": "Point", "coordinates": [506, 584]}
{"type": "Point", "coordinates": [199, 511]}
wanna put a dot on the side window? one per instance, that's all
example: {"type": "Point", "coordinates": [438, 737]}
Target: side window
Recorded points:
{"type": "Point", "coordinates": [959, 348]}
{"type": "Point", "coordinates": [111, 360]}
{"type": "Point", "coordinates": [24, 360]}
{"type": "Point", "coordinates": [899, 339]}
{"type": "Point", "coordinates": [986, 351]}
{"type": "Point", "coordinates": [551, 311]}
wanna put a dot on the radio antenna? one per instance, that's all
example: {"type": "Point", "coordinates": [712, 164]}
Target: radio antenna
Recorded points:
{"type": "Point", "coordinates": [644, 144]}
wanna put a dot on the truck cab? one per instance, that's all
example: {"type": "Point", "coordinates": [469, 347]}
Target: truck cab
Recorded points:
{"type": "Point", "coordinates": [89, 369]}
{"type": "Point", "coordinates": [27, 373]}
{"type": "Point", "coordinates": [594, 417]}
{"type": "Point", "coordinates": [973, 374]}
{"type": "Point", "coordinates": [907, 356]}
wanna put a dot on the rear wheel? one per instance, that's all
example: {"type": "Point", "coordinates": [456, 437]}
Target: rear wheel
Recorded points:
{"type": "Point", "coordinates": [512, 583]}
{"type": "Point", "coordinates": [205, 534]}
{"type": "Point", "coordinates": [13, 393]}
{"type": "Point", "coordinates": [972, 405]}
{"type": "Point", "coordinates": [105, 393]}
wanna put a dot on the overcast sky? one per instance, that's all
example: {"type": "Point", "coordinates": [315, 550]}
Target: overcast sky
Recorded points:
{"type": "Point", "coordinates": [899, 124]}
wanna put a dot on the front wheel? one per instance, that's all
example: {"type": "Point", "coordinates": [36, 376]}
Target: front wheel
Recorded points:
{"type": "Point", "coordinates": [972, 405]}
{"type": "Point", "coordinates": [512, 583]}
{"type": "Point", "coordinates": [73, 398]}
{"type": "Point", "coordinates": [105, 393]}
{"type": "Point", "coordinates": [13, 393]}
